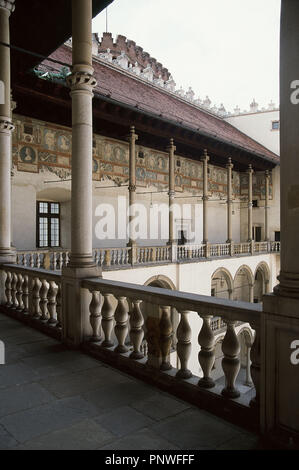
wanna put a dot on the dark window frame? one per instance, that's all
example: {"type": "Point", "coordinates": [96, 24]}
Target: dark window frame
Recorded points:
{"type": "Point", "coordinates": [49, 216]}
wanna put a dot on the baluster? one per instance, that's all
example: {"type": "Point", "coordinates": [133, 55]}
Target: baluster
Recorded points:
{"type": "Point", "coordinates": [112, 257]}
{"type": "Point", "coordinates": [67, 258]}
{"type": "Point", "coordinates": [25, 264]}
{"type": "Point", "coordinates": [184, 346]}
{"type": "Point", "coordinates": [38, 263]}
{"type": "Point", "coordinates": [95, 316]}
{"type": "Point", "coordinates": [121, 327]}
{"type": "Point", "coordinates": [206, 355]}
{"type": "Point", "coordinates": [14, 281]}
{"type": "Point", "coordinates": [44, 300]}
{"type": "Point", "coordinates": [231, 361]}
{"type": "Point", "coordinates": [8, 289]}
{"type": "Point", "coordinates": [60, 261]}
{"type": "Point", "coordinates": [25, 296]}
{"type": "Point", "coordinates": [31, 260]}
{"type": "Point", "coordinates": [36, 285]}
{"type": "Point", "coordinates": [58, 307]}
{"type": "Point", "coordinates": [52, 294]}
{"type": "Point", "coordinates": [107, 320]}
{"type": "Point", "coordinates": [19, 294]}
{"type": "Point", "coordinates": [165, 326]}
{"type": "Point", "coordinates": [255, 356]}
{"type": "Point", "coordinates": [136, 330]}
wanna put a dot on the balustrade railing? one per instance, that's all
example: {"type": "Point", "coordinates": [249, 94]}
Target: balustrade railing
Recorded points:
{"type": "Point", "coordinates": [110, 258]}
{"type": "Point", "coordinates": [123, 313]}
{"type": "Point", "coordinates": [33, 294]}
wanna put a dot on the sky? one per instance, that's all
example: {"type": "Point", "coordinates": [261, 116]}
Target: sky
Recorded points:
{"type": "Point", "coordinates": [226, 49]}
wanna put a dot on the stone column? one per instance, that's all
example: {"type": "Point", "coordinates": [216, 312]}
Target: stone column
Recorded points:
{"type": "Point", "coordinates": [6, 128]}
{"type": "Point", "coordinates": [250, 172]}
{"type": "Point", "coordinates": [267, 181]}
{"type": "Point", "coordinates": [132, 188]}
{"type": "Point", "coordinates": [280, 319]}
{"type": "Point", "coordinates": [205, 159]}
{"type": "Point", "coordinates": [229, 167]}
{"type": "Point", "coordinates": [171, 149]}
{"type": "Point", "coordinates": [81, 82]}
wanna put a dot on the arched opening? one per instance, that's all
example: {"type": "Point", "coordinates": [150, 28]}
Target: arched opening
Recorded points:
{"type": "Point", "coordinates": [243, 285]}
{"type": "Point", "coordinates": [221, 284]}
{"type": "Point", "coordinates": [261, 282]}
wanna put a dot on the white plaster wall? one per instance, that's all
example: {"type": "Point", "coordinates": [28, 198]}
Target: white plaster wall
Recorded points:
{"type": "Point", "coordinates": [259, 127]}
{"type": "Point", "coordinates": [24, 216]}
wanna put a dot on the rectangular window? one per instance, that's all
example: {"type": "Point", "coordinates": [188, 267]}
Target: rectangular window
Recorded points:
{"type": "Point", "coordinates": [275, 125]}
{"type": "Point", "coordinates": [48, 224]}
{"type": "Point", "coordinates": [277, 236]}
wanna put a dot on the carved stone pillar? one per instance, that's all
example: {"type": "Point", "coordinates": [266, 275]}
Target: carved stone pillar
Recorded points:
{"type": "Point", "coordinates": [75, 301]}
{"type": "Point", "coordinates": [6, 128]}
{"type": "Point", "coordinates": [229, 167]}
{"type": "Point", "coordinates": [280, 318]}
{"type": "Point", "coordinates": [171, 149]}
{"type": "Point", "coordinates": [250, 172]}
{"type": "Point", "coordinates": [267, 181]}
{"type": "Point", "coordinates": [132, 183]}
{"type": "Point", "coordinates": [205, 159]}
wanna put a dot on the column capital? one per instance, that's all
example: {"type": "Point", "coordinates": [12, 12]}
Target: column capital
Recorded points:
{"type": "Point", "coordinates": [229, 164]}
{"type": "Point", "coordinates": [81, 80]}
{"type": "Point", "coordinates": [132, 188]}
{"type": "Point", "coordinates": [132, 136]}
{"type": "Point", "coordinates": [250, 169]}
{"type": "Point", "coordinates": [171, 147]}
{"type": "Point", "coordinates": [6, 126]}
{"type": "Point", "coordinates": [205, 158]}
{"type": "Point", "coordinates": [8, 5]}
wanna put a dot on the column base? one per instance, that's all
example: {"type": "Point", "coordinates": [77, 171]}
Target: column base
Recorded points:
{"type": "Point", "coordinates": [288, 285]}
{"type": "Point", "coordinates": [8, 256]}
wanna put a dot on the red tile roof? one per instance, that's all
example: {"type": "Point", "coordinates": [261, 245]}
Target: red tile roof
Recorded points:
{"type": "Point", "coordinates": [127, 89]}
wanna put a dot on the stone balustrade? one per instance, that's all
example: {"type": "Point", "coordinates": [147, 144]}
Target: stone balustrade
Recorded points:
{"type": "Point", "coordinates": [113, 258]}
{"type": "Point", "coordinates": [120, 323]}
{"type": "Point", "coordinates": [33, 295]}
{"type": "Point", "coordinates": [126, 334]}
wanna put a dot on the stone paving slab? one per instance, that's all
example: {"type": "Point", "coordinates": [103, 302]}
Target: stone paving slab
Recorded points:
{"type": "Point", "coordinates": [53, 398]}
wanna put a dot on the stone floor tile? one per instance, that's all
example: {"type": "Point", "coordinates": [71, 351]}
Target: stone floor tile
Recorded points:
{"type": "Point", "coordinates": [142, 440]}
{"type": "Point", "coordinates": [86, 435]}
{"type": "Point", "coordinates": [23, 397]}
{"type": "Point", "coordinates": [124, 420]}
{"type": "Point", "coordinates": [32, 423]}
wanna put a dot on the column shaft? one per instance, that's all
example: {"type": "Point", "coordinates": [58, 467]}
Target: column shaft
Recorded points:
{"type": "Point", "coordinates": [81, 83]}
{"type": "Point", "coordinates": [250, 172]}
{"type": "Point", "coordinates": [6, 128]}
{"type": "Point", "coordinates": [267, 181]}
{"type": "Point", "coordinates": [171, 149]}
{"type": "Point", "coordinates": [229, 167]}
{"type": "Point", "coordinates": [205, 159]}
{"type": "Point", "coordinates": [132, 180]}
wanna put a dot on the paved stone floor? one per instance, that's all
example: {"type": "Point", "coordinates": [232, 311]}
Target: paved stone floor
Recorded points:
{"type": "Point", "coordinates": [53, 398]}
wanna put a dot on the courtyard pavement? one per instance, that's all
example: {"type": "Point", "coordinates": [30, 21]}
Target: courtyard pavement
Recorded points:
{"type": "Point", "coordinates": [54, 398]}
